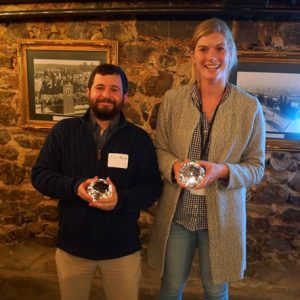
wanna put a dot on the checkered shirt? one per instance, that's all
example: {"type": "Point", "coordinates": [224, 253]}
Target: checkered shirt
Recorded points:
{"type": "Point", "coordinates": [191, 209]}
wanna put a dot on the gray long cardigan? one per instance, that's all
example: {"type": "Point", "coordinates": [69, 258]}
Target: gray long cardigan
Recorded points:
{"type": "Point", "coordinates": [238, 140]}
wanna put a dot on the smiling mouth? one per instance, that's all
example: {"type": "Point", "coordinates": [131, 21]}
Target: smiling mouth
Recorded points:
{"type": "Point", "coordinates": [105, 104]}
{"type": "Point", "coordinates": [212, 67]}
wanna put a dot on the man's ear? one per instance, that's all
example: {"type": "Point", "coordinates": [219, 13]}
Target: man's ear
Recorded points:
{"type": "Point", "coordinates": [88, 93]}
{"type": "Point", "coordinates": [126, 100]}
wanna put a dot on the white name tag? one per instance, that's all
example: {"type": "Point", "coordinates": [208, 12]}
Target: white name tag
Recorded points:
{"type": "Point", "coordinates": [200, 192]}
{"type": "Point", "coordinates": [117, 160]}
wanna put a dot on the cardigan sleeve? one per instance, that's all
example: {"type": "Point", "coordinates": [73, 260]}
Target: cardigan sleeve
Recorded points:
{"type": "Point", "coordinates": [166, 157]}
{"type": "Point", "coordinates": [250, 169]}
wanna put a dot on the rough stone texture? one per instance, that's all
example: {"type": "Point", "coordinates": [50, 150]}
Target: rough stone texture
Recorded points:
{"type": "Point", "coordinates": [133, 115]}
{"type": "Point", "coordinates": [8, 194]}
{"type": "Point", "coordinates": [282, 161]}
{"type": "Point", "coordinates": [257, 224]}
{"type": "Point", "coordinates": [4, 136]}
{"type": "Point", "coordinates": [11, 233]}
{"type": "Point", "coordinates": [6, 96]}
{"type": "Point", "coordinates": [294, 200]}
{"type": "Point", "coordinates": [153, 116]}
{"type": "Point", "coordinates": [132, 88]}
{"type": "Point", "coordinates": [8, 152]}
{"type": "Point", "coordinates": [156, 57]}
{"type": "Point", "coordinates": [30, 159]}
{"type": "Point", "coordinates": [292, 215]}
{"type": "Point", "coordinates": [247, 39]}
{"type": "Point", "coordinates": [26, 141]}
{"type": "Point", "coordinates": [182, 30]}
{"type": "Point", "coordinates": [271, 193]}
{"type": "Point", "coordinates": [136, 53]}
{"type": "Point", "coordinates": [278, 244]}
{"type": "Point", "coordinates": [155, 29]}
{"type": "Point", "coordinates": [8, 116]}
{"type": "Point", "coordinates": [9, 80]}
{"type": "Point", "coordinates": [294, 182]}
{"type": "Point", "coordinates": [11, 173]}
{"type": "Point", "coordinates": [291, 36]}
{"type": "Point", "coordinates": [48, 210]}
{"type": "Point", "coordinates": [157, 85]}
{"type": "Point", "coordinates": [270, 211]}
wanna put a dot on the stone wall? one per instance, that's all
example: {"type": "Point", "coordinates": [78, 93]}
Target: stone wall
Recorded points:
{"type": "Point", "coordinates": [156, 57]}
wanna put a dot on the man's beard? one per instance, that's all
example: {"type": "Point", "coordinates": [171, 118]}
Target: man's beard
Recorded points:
{"type": "Point", "coordinates": [106, 113]}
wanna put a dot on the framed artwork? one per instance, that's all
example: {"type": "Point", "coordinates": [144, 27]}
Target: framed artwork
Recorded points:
{"type": "Point", "coordinates": [54, 75]}
{"type": "Point", "coordinates": [273, 77]}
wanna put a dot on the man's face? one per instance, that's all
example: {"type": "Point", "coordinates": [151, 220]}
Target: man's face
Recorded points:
{"type": "Point", "coordinates": [106, 98]}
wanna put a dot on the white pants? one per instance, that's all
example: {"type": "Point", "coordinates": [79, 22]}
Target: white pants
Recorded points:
{"type": "Point", "coordinates": [120, 277]}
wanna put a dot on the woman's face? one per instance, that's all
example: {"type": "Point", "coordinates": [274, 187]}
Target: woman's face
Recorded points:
{"type": "Point", "coordinates": [211, 57]}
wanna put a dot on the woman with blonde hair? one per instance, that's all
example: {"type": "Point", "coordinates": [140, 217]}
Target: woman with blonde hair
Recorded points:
{"type": "Point", "coordinates": [221, 127]}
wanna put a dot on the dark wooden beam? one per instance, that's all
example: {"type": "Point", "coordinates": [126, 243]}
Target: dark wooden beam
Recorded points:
{"type": "Point", "coordinates": [157, 13]}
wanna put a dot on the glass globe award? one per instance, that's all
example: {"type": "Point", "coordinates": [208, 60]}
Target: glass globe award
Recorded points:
{"type": "Point", "coordinates": [191, 174]}
{"type": "Point", "coordinates": [99, 189]}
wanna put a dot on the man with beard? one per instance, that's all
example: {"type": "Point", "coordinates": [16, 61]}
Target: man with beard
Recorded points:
{"type": "Point", "coordinates": [99, 234]}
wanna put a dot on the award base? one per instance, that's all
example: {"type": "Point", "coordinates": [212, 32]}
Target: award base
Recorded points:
{"type": "Point", "coordinates": [200, 192]}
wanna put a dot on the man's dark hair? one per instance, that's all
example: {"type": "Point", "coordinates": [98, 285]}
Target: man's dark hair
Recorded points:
{"type": "Point", "coordinates": [109, 69]}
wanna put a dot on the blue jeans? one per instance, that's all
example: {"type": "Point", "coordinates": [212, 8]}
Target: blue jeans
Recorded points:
{"type": "Point", "coordinates": [181, 247]}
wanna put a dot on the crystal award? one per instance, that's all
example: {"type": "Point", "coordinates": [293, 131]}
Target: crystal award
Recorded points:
{"type": "Point", "coordinates": [99, 189]}
{"type": "Point", "coordinates": [191, 174]}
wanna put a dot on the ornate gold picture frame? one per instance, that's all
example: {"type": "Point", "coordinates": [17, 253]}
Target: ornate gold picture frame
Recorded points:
{"type": "Point", "coordinates": [53, 77]}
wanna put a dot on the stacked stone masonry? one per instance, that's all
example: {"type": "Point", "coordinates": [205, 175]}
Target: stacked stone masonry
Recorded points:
{"type": "Point", "coordinates": [156, 57]}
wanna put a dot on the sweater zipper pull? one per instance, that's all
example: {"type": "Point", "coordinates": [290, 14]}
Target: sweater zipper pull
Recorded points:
{"type": "Point", "coordinates": [99, 154]}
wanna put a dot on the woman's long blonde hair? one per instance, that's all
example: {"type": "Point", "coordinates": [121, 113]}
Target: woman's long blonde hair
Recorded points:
{"type": "Point", "coordinates": [210, 26]}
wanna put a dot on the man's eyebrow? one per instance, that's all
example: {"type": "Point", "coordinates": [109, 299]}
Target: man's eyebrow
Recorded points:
{"type": "Point", "coordinates": [110, 85]}
{"type": "Point", "coordinates": [115, 86]}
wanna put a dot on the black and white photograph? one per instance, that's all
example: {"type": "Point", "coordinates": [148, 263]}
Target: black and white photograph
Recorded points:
{"type": "Point", "coordinates": [55, 76]}
{"type": "Point", "coordinates": [60, 86]}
